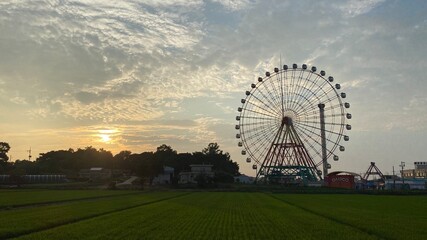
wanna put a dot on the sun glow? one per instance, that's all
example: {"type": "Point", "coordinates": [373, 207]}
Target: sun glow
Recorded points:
{"type": "Point", "coordinates": [106, 135]}
{"type": "Point", "coordinates": [105, 138]}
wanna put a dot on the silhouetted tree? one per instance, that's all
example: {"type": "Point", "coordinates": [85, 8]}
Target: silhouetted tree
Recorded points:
{"type": "Point", "coordinates": [55, 161]}
{"type": "Point", "coordinates": [4, 148]}
{"type": "Point", "coordinates": [25, 167]}
{"type": "Point", "coordinates": [121, 160]}
{"type": "Point", "coordinates": [212, 149]}
{"type": "Point", "coordinates": [145, 165]}
{"type": "Point", "coordinates": [225, 169]}
{"type": "Point", "coordinates": [166, 156]}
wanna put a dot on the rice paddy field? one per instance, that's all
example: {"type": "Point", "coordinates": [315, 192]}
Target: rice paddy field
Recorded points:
{"type": "Point", "coordinates": [88, 214]}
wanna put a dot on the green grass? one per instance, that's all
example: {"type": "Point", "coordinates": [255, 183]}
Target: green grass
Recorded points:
{"type": "Point", "coordinates": [220, 215]}
{"type": "Point", "coordinates": [16, 198]}
{"type": "Point", "coordinates": [25, 220]}
{"type": "Point", "coordinates": [392, 217]}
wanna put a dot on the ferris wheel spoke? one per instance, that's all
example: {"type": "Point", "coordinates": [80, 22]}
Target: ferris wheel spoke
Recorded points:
{"type": "Point", "coordinates": [305, 130]}
{"type": "Point", "coordinates": [310, 144]}
{"type": "Point", "coordinates": [257, 129]}
{"type": "Point", "coordinates": [312, 100]}
{"type": "Point", "coordinates": [324, 94]}
{"type": "Point", "coordinates": [312, 85]}
{"type": "Point", "coordinates": [316, 141]}
{"type": "Point", "coordinates": [259, 149]}
{"type": "Point", "coordinates": [317, 128]}
{"type": "Point", "coordinates": [318, 99]}
{"type": "Point", "coordinates": [254, 133]}
{"type": "Point", "coordinates": [303, 81]}
{"type": "Point", "coordinates": [287, 89]}
{"type": "Point", "coordinates": [281, 92]}
{"type": "Point", "coordinates": [257, 124]}
{"type": "Point", "coordinates": [271, 97]}
{"type": "Point", "coordinates": [259, 118]}
{"type": "Point", "coordinates": [313, 113]}
{"type": "Point", "coordinates": [276, 95]}
{"type": "Point", "coordinates": [321, 86]}
{"type": "Point", "coordinates": [326, 123]}
{"type": "Point", "coordinates": [267, 103]}
{"type": "Point", "coordinates": [300, 108]}
{"type": "Point", "coordinates": [263, 111]}
{"type": "Point", "coordinates": [259, 144]}
{"type": "Point", "coordinates": [294, 85]}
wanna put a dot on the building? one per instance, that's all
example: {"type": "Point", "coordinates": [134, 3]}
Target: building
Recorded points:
{"type": "Point", "coordinates": [95, 173]}
{"type": "Point", "coordinates": [244, 179]}
{"type": "Point", "coordinates": [414, 183]}
{"type": "Point", "coordinates": [344, 179]}
{"type": "Point", "coordinates": [51, 178]}
{"type": "Point", "coordinates": [420, 171]}
{"type": "Point", "coordinates": [197, 170]}
{"type": "Point", "coordinates": [165, 177]}
{"type": "Point", "coordinates": [44, 178]}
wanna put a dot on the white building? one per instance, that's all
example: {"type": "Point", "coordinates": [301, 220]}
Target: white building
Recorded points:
{"type": "Point", "coordinates": [244, 179]}
{"type": "Point", "coordinates": [95, 173]}
{"type": "Point", "coordinates": [196, 170]}
{"type": "Point", "coordinates": [165, 177]}
{"type": "Point", "coordinates": [420, 171]}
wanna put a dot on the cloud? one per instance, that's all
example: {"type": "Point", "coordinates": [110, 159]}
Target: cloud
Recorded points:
{"type": "Point", "coordinates": [356, 8]}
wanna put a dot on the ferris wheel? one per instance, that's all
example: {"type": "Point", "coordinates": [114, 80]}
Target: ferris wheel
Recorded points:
{"type": "Point", "coordinates": [291, 122]}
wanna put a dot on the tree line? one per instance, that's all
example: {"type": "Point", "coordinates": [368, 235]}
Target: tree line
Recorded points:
{"type": "Point", "coordinates": [145, 164]}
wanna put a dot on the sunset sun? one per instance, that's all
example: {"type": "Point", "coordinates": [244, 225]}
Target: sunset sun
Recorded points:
{"type": "Point", "coordinates": [106, 135]}
{"type": "Point", "coordinates": [105, 138]}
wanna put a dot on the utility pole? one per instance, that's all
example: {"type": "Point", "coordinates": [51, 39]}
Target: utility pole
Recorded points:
{"type": "Point", "coordinates": [29, 154]}
{"type": "Point", "coordinates": [402, 165]}
{"type": "Point", "coordinates": [394, 180]}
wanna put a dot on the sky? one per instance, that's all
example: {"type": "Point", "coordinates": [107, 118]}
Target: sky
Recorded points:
{"type": "Point", "coordinates": [132, 75]}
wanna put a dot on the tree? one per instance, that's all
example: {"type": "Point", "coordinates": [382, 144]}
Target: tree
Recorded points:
{"type": "Point", "coordinates": [166, 156]}
{"type": "Point", "coordinates": [225, 169]}
{"type": "Point", "coordinates": [145, 165]}
{"type": "Point", "coordinates": [165, 148]}
{"type": "Point", "coordinates": [4, 148]}
{"type": "Point", "coordinates": [121, 160]}
{"type": "Point", "coordinates": [212, 149]}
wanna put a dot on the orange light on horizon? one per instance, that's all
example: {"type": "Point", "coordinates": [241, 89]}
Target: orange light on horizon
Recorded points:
{"type": "Point", "coordinates": [106, 135]}
{"type": "Point", "coordinates": [105, 138]}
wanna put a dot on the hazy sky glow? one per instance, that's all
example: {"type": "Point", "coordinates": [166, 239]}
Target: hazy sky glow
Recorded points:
{"type": "Point", "coordinates": [132, 75]}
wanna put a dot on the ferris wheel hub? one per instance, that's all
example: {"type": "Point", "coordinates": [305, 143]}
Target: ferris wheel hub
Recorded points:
{"type": "Point", "coordinates": [287, 121]}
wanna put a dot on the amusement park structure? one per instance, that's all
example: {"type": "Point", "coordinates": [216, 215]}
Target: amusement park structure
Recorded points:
{"type": "Point", "coordinates": [291, 123]}
{"type": "Point", "coordinates": [373, 170]}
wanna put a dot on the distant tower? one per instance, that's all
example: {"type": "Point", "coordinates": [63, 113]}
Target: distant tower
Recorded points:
{"type": "Point", "coordinates": [29, 154]}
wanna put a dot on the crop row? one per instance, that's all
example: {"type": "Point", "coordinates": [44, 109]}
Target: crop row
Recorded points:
{"type": "Point", "coordinates": [16, 198]}
{"type": "Point", "coordinates": [21, 221]}
{"type": "Point", "coordinates": [390, 217]}
{"type": "Point", "coordinates": [207, 216]}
